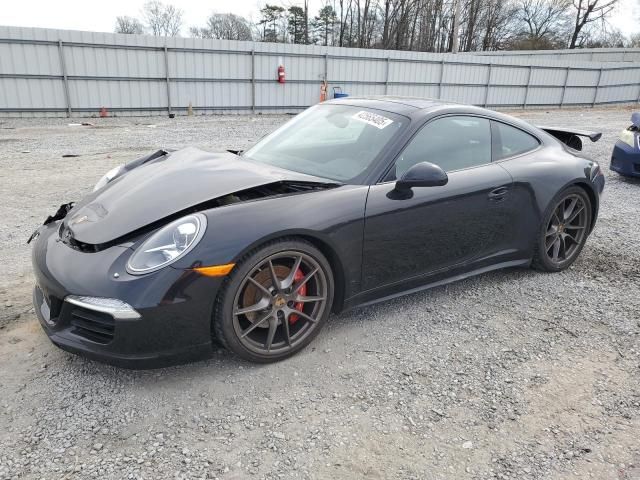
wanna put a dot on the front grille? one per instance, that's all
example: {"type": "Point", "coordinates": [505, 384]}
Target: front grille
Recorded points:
{"type": "Point", "coordinates": [95, 326]}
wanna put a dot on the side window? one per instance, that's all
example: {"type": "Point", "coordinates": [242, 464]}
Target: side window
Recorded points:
{"type": "Point", "coordinates": [509, 141]}
{"type": "Point", "coordinates": [453, 143]}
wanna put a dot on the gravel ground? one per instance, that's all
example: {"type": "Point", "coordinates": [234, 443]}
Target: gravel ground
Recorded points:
{"type": "Point", "coordinates": [513, 374]}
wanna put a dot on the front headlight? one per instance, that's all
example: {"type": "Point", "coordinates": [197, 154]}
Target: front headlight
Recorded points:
{"type": "Point", "coordinates": [107, 177]}
{"type": "Point", "coordinates": [168, 244]}
{"type": "Point", "coordinates": [628, 137]}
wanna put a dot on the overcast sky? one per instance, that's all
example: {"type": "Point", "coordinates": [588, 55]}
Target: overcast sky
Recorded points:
{"type": "Point", "coordinates": [99, 16]}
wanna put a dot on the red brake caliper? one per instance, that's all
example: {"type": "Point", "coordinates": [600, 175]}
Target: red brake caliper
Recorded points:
{"type": "Point", "coordinates": [301, 291]}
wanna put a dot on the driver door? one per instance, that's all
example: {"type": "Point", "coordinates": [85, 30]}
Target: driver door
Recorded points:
{"type": "Point", "coordinates": [439, 228]}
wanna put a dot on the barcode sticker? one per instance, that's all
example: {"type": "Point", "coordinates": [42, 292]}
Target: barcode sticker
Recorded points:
{"type": "Point", "coordinates": [374, 119]}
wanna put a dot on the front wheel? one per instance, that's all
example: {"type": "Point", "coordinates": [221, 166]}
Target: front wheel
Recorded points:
{"type": "Point", "coordinates": [564, 230]}
{"type": "Point", "coordinates": [275, 302]}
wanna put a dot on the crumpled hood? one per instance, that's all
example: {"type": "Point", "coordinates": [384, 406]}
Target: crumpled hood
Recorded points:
{"type": "Point", "coordinates": [156, 190]}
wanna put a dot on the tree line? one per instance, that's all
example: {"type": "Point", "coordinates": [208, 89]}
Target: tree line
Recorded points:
{"type": "Point", "coordinates": [418, 25]}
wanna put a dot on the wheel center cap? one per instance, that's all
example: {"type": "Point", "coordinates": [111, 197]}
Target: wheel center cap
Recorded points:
{"type": "Point", "coordinates": [280, 302]}
{"type": "Point", "coordinates": [561, 228]}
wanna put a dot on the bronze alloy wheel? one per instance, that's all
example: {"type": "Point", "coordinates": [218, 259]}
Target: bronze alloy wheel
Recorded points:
{"type": "Point", "coordinates": [279, 303]}
{"type": "Point", "coordinates": [564, 231]}
{"type": "Point", "coordinates": [276, 302]}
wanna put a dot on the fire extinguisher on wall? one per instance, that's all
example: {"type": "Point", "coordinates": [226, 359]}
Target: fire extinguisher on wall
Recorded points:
{"type": "Point", "coordinates": [281, 74]}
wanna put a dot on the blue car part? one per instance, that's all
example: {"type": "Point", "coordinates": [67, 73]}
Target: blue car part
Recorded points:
{"type": "Point", "coordinates": [625, 158]}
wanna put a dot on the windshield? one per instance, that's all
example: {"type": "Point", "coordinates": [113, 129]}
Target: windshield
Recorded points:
{"type": "Point", "coordinates": [338, 142]}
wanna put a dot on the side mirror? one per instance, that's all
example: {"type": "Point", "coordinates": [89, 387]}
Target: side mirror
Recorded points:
{"type": "Point", "coordinates": [422, 174]}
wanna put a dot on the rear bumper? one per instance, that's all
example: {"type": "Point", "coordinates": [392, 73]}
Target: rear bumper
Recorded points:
{"type": "Point", "coordinates": [172, 321]}
{"type": "Point", "coordinates": [625, 160]}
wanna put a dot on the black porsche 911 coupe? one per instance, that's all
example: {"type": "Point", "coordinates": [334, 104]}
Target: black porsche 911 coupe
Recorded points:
{"type": "Point", "coordinates": [351, 202]}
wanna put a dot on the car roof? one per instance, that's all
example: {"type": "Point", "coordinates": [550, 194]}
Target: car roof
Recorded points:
{"type": "Point", "coordinates": [417, 107]}
{"type": "Point", "coordinates": [395, 104]}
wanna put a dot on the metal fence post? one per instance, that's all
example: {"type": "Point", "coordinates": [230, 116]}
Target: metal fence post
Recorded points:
{"type": "Point", "coordinates": [595, 95]}
{"type": "Point", "coordinates": [65, 80]}
{"type": "Point", "coordinates": [564, 88]}
{"type": "Point", "coordinates": [253, 81]}
{"type": "Point", "coordinates": [486, 92]}
{"type": "Point", "coordinates": [326, 67]}
{"type": "Point", "coordinates": [166, 70]}
{"type": "Point", "coordinates": [386, 77]}
{"type": "Point", "coordinates": [526, 91]}
{"type": "Point", "coordinates": [440, 81]}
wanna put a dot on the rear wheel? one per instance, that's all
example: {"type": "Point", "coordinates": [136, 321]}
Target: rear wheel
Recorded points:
{"type": "Point", "coordinates": [564, 230]}
{"type": "Point", "coordinates": [275, 302]}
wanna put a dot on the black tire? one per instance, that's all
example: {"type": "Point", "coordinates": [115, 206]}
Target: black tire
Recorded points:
{"type": "Point", "coordinates": [249, 334]}
{"type": "Point", "coordinates": [561, 237]}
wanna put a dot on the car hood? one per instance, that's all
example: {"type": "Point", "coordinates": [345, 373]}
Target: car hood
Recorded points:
{"type": "Point", "coordinates": [156, 190]}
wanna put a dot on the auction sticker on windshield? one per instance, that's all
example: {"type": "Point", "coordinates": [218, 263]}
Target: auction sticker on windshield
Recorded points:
{"type": "Point", "coordinates": [374, 119]}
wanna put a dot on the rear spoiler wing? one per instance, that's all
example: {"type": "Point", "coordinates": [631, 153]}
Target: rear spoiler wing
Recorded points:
{"type": "Point", "coordinates": [571, 137]}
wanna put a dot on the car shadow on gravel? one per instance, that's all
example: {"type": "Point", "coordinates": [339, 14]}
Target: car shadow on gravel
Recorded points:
{"type": "Point", "coordinates": [218, 366]}
{"type": "Point", "coordinates": [489, 280]}
{"type": "Point", "coordinates": [484, 291]}
{"type": "Point", "coordinates": [221, 364]}
{"type": "Point", "coordinates": [629, 180]}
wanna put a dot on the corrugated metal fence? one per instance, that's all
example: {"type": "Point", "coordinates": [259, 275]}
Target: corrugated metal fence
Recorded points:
{"type": "Point", "coordinates": [57, 72]}
{"type": "Point", "coordinates": [568, 56]}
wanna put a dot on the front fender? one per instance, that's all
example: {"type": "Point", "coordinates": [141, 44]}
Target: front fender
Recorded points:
{"type": "Point", "coordinates": [334, 217]}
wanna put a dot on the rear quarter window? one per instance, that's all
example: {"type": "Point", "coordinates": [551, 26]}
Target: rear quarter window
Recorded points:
{"type": "Point", "coordinates": [509, 141]}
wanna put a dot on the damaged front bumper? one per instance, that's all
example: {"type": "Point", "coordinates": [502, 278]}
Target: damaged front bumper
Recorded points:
{"type": "Point", "coordinates": [59, 215]}
{"type": "Point", "coordinates": [625, 159]}
{"type": "Point", "coordinates": [88, 304]}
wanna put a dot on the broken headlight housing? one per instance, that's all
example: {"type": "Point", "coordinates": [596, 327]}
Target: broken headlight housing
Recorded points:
{"type": "Point", "coordinates": [107, 177]}
{"type": "Point", "coordinates": [168, 244]}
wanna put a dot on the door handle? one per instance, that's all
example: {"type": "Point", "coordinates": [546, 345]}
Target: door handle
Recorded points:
{"type": "Point", "coordinates": [498, 194]}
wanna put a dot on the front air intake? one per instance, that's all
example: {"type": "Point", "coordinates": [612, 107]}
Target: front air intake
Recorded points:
{"type": "Point", "coordinates": [95, 326]}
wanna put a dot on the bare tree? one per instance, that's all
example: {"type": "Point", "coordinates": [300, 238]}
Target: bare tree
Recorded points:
{"type": "Point", "coordinates": [540, 24]}
{"type": "Point", "coordinates": [129, 25]}
{"type": "Point", "coordinates": [344, 22]}
{"type": "Point", "coordinates": [497, 26]}
{"type": "Point", "coordinates": [605, 37]}
{"type": "Point", "coordinates": [409, 24]}
{"type": "Point", "coordinates": [162, 20]}
{"type": "Point", "coordinates": [455, 31]}
{"type": "Point", "coordinates": [306, 21]}
{"type": "Point", "coordinates": [543, 17]}
{"type": "Point", "coordinates": [224, 26]}
{"type": "Point", "coordinates": [588, 11]}
{"type": "Point", "coordinates": [419, 25]}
